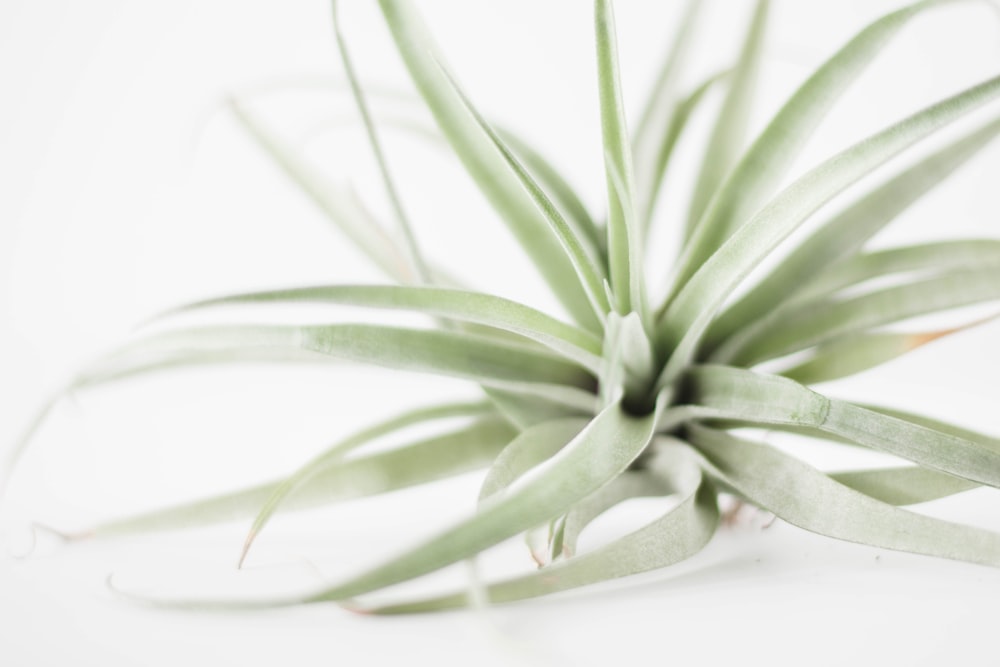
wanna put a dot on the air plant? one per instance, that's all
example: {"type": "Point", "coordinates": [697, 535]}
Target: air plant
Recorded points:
{"type": "Point", "coordinates": [628, 396]}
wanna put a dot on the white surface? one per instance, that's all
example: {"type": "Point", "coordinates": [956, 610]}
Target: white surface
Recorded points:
{"type": "Point", "coordinates": [124, 193]}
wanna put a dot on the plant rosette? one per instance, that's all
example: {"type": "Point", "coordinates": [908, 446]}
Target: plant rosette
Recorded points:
{"type": "Point", "coordinates": [637, 388]}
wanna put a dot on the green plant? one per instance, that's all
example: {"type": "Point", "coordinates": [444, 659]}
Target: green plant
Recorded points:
{"type": "Point", "coordinates": [634, 398]}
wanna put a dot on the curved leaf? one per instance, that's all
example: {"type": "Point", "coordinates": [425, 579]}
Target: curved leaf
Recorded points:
{"type": "Point", "coordinates": [482, 160]}
{"type": "Point", "coordinates": [493, 311]}
{"type": "Point", "coordinates": [816, 322]}
{"type": "Point", "coordinates": [467, 448]}
{"type": "Point", "coordinates": [801, 272]}
{"type": "Point", "coordinates": [598, 454]}
{"type": "Point", "coordinates": [805, 497]}
{"type": "Point", "coordinates": [767, 161]}
{"type": "Point", "coordinates": [676, 536]}
{"type": "Point", "coordinates": [733, 393]}
{"type": "Point", "coordinates": [690, 313]}
{"type": "Point", "coordinates": [462, 355]}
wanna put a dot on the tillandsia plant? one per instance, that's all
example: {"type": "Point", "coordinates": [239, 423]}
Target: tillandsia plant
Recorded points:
{"type": "Point", "coordinates": [630, 396]}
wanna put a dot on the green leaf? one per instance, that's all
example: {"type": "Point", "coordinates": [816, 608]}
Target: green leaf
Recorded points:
{"type": "Point", "coordinates": [585, 265]}
{"type": "Point", "coordinates": [690, 313]}
{"type": "Point", "coordinates": [531, 447]}
{"type": "Point", "coordinates": [733, 393]}
{"type": "Point", "coordinates": [725, 144]}
{"type": "Point", "coordinates": [339, 203]}
{"type": "Point", "coordinates": [936, 425]}
{"type": "Point", "coordinates": [915, 260]}
{"type": "Point", "coordinates": [420, 268]}
{"type": "Point", "coordinates": [467, 448]}
{"type": "Point", "coordinates": [852, 354]}
{"type": "Point", "coordinates": [565, 198]}
{"type": "Point", "coordinates": [482, 160]}
{"type": "Point", "coordinates": [525, 410]}
{"type": "Point", "coordinates": [805, 497]}
{"type": "Point", "coordinates": [905, 485]}
{"type": "Point", "coordinates": [814, 322]}
{"type": "Point", "coordinates": [624, 487]}
{"type": "Point", "coordinates": [603, 450]}
{"type": "Point", "coordinates": [763, 167]}
{"type": "Point", "coordinates": [679, 534]}
{"type": "Point", "coordinates": [418, 463]}
{"type": "Point", "coordinates": [627, 359]}
{"type": "Point", "coordinates": [624, 256]}
{"type": "Point", "coordinates": [486, 361]}
{"type": "Point", "coordinates": [663, 116]}
{"type": "Point", "coordinates": [805, 271]}
{"type": "Point", "coordinates": [568, 340]}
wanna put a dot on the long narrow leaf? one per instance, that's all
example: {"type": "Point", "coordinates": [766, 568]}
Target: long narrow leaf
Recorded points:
{"type": "Point", "coordinates": [725, 144]}
{"type": "Point", "coordinates": [481, 159]}
{"type": "Point", "coordinates": [805, 497]}
{"type": "Point", "coordinates": [563, 195]}
{"type": "Point", "coordinates": [568, 340]}
{"type": "Point", "coordinates": [338, 203]}
{"type": "Point", "coordinates": [598, 454]}
{"type": "Point", "coordinates": [906, 485]}
{"type": "Point", "coordinates": [585, 265]}
{"type": "Point", "coordinates": [420, 267]}
{"type": "Point", "coordinates": [623, 231]}
{"type": "Point", "coordinates": [690, 314]}
{"type": "Point", "coordinates": [765, 164]}
{"type": "Point", "coordinates": [848, 355]}
{"type": "Point", "coordinates": [734, 393]}
{"type": "Point", "coordinates": [461, 355]}
{"type": "Point", "coordinates": [335, 453]}
{"type": "Point", "coordinates": [824, 320]}
{"type": "Point", "coordinates": [846, 232]}
{"type": "Point", "coordinates": [677, 535]}
{"type": "Point", "coordinates": [663, 116]}
{"type": "Point", "coordinates": [914, 261]}
{"type": "Point", "coordinates": [467, 448]}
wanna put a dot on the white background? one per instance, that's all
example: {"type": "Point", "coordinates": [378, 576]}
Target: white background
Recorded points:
{"type": "Point", "coordinates": [125, 188]}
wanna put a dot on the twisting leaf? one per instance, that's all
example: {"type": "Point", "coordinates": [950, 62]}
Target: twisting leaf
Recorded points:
{"type": "Point", "coordinates": [805, 497]}
{"type": "Point", "coordinates": [627, 486]}
{"type": "Point", "coordinates": [677, 535]}
{"type": "Point", "coordinates": [733, 393]}
{"type": "Point", "coordinates": [907, 485]}
{"type": "Point", "coordinates": [531, 447]}
{"type": "Point", "coordinates": [598, 454]}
